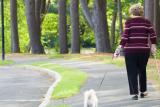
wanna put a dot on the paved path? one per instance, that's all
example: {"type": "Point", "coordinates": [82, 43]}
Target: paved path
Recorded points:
{"type": "Point", "coordinates": [20, 87]}
{"type": "Point", "coordinates": [114, 91]}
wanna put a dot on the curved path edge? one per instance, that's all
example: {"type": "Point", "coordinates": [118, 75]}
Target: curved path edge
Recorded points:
{"type": "Point", "coordinates": [53, 74]}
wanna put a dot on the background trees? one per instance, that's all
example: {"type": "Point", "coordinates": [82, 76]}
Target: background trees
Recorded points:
{"type": "Point", "coordinates": [62, 26]}
{"type": "Point", "coordinates": [152, 12]}
{"type": "Point", "coordinates": [157, 17]}
{"type": "Point", "coordinates": [98, 22]}
{"type": "Point", "coordinates": [113, 26]}
{"type": "Point", "coordinates": [33, 21]}
{"type": "Point", "coordinates": [149, 9]}
{"type": "Point", "coordinates": [70, 25]}
{"type": "Point", "coordinates": [74, 13]}
{"type": "Point", "coordinates": [14, 27]}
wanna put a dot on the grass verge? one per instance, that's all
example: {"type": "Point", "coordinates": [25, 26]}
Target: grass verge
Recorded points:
{"type": "Point", "coordinates": [72, 80]}
{"type": "Point", "coordinates": [61, 105]}
{"type": "Point", "coordinates": [153, 73]}
{"type": "Point", "coordinates": [6, 62]}
{"type": "Point", "coordinates": [105, 58]}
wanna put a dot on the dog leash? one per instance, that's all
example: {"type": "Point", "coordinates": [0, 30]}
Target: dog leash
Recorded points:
{"type": "Point", "coordinates": [104, 76]}
{"type": "Point", "coordinates": [102, 80]}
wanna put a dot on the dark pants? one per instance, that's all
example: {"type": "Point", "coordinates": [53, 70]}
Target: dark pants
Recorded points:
{"type": "Point", "coordinates": [136, 70]}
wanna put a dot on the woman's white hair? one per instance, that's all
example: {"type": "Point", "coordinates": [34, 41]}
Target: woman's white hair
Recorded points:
{"type": "Point", "coordinates": [136, 10]}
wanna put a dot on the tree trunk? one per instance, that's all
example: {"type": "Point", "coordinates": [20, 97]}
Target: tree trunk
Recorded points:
{"type": "Point", "coordinates": [113, 26]}
{"type": "Point", "coordinates": [100, 26]}
{"type": "Point", "coordinates": [149, 10]}
{"type": "Point", "coordinates": [98, 23]}
{"type": "Point", "coordinates": [62, 26]}
{"type": "Point", "coordinates": [14, 27]}
{"type": "Point", "coordinates": [34, 32]}
{"type": "Point", "coordinates": [120, 16]}
{"type": "Point", "coordinates": [37, 15]}
{"type": "Point", "coordinates": [157, 17]}
{"type": "Point", "coordinates": [87, 13]}
{"type": "Point", "coordinates": [74, 10]}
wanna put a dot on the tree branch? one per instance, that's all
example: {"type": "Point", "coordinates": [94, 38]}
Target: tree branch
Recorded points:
{"type": "Point", "coordinates": [44, 8]}
{"type": "Point", "coordinates": [86, 12]}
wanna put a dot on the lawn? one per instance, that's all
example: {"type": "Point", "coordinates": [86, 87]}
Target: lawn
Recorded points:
{"type": "Point", "coordinates": [61, 105]}
{"type": "Point", "coordinates": [72, 80]}
{"type": "Point", "coordinates": [6, 62]}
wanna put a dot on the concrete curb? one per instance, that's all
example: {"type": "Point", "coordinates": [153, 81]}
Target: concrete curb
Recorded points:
{"type": "Point", "coordinates": [53, 74]}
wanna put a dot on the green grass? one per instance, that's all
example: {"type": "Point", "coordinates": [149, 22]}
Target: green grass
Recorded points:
{"type": "Point", "coordinates": [72, 80]}
{"type": "Point", "coordinates": [61, 105]}
{"type": "Point", "coordinates": [64, 56]}
{"type": "Point", "coordinates": [105, 58]}
{"type": "Point", "coordinates": [6, 62]}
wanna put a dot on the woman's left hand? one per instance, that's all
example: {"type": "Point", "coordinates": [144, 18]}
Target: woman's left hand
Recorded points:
{"type": "Point", "coordinates": [117, 52]}
{"type": "Point", "coordinates": [153, 49]}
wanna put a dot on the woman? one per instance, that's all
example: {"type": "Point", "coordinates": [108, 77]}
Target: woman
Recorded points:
{"type": "Point", "coordinates": [135, 42]}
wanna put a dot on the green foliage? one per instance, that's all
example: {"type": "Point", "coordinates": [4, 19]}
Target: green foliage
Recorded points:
{"type": "Point", "coordinates": [49, 31]}
{"type": "Point", "coordinates": [158, 49]}
{"type": "Point", "coordinates": [6, 62]}
{"type": "Point", "coordinates": [86, 34]}
{"type": "Point", "coordinates": [71, 82]}
{"type": "Point", "coordinates": [7, 25]}
{"type": "Point", "coordinates": [22, 26]}
{"type": "Point", "coordinates": [53, 8]}
{"type": "Point", "coordinates": [60, 105]}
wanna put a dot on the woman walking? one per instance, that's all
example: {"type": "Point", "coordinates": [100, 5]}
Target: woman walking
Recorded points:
{"type": "Point", "coordinates": [135, 41]}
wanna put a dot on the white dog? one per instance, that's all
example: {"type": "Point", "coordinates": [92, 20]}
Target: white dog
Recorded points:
{"type": "Point", "coordinates": [90, 99]}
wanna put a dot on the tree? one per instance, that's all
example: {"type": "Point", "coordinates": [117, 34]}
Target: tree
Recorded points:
{"type": "Point", "coordinates": [14, 27]}
{"type": "Point", "coordinates": [120, 16]}
{"type": "Point", "coordinates": [43, 6]}
{"type": "Point", "coordinates": [152, 10]}
{"type": "Point", "coordinates": [33, 21]}
{"type": "Point", "coordinates": [62, 26]}
{"type": "Point", "coordinates": [113, 26]}
{"type": "Point", "coordinates": [149, 9]}
{"type": "Point", "coordinates": [157, 17]}
{"type": "Point", "coordinates": [74, 10]}
{"type": "Point", "coordinates": [98, 22]}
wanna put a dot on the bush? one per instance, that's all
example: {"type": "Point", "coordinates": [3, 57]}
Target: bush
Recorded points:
{"type": "Point", "coordinates": [49, 31]}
